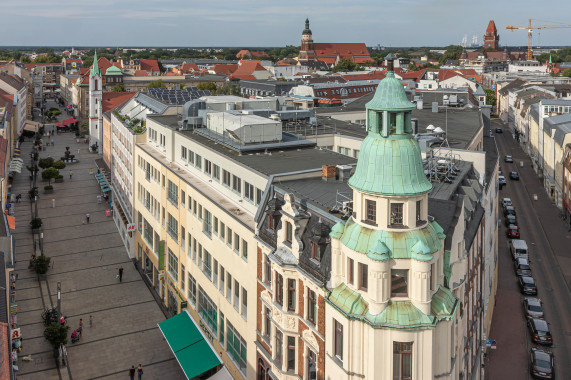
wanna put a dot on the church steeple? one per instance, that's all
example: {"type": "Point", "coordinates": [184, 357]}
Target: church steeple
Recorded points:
{"type": "Point", "coordinates": [306, 31]}
{"type": "Point", "coordinates": [95, 68]}
{"type": "Point", "coordinates": [307, 52]}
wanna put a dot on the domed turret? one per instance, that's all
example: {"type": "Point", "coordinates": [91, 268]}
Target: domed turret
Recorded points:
{"type": "Point", "coordinates": [306, 30]}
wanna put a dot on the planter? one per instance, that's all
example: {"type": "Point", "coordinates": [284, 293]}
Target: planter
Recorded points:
{"type": "Point", "coordinates": [48, 191]}
{"type": "Point", "coordinates": [58, 180]}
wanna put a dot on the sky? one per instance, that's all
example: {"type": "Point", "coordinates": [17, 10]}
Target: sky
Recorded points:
{"type": "Point", "coordinates": [265, 23]}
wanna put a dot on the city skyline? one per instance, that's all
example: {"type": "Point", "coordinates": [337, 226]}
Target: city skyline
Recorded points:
{"type": "Point", "coordinates": [239, 23]}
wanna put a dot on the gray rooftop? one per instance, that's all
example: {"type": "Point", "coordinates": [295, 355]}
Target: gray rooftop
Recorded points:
{"type": "Point", "coordinates": [556, 102]}
{"type": "Point", "coordinates": [278, 160]}
{"type": "Point", "coordinates": [153, 104]}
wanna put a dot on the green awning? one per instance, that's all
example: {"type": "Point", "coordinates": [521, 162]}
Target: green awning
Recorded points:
{"type": "Point", "coordinates": [193, 352]}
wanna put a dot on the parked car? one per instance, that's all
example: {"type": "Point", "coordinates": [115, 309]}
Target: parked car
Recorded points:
{"type": "Point", "coordinates": [539, 330]}
{"type": "Point", "coordinates": [506, 202]}
{"type": "Point", "coordinates": [527, 285]}
{"type": "Point", "coordinates": [501, 181]}
{"type": "Point", "coordinates": [512, 232]}
{"type": "Point", "coordinates": [511, 219]}
{"type": "Point", "coordinates": [499, 130]}
{"type": "Point", "coordinates": [541, 364]}
{"type": "Point", "coordinates": [509, 210]}
{"type": "Point", "coordinates": [521, 267]}
{"type": "Point", "coordinates": [532, 308]}
{"type": "Point", "coordinates": [508, 159]}
{"type": "Point", "coordinates": [514, 176]}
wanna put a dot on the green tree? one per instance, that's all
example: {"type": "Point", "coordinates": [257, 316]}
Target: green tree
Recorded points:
{"type": "Point", "coordinates": [118, 88]}
{"type": "Point", "coordinates": [87, 62]}
{"type": "Point", "coordinates": [156, 84]}
{"type": "Point", "coordinates": [56, 334]}
{"type": "Point", "coordinates": [25, 59]}
{"type": "Point", "coordinates": [452, 52]}
{"type": "Point", "coordinates": [49, 174]}
{"type": "Point", "coordinates": [208, 86]}
{"type": "Point", "coordinates": [346, 65]}
{"type": "Point", "coordinates": [46, 163]}
{"type": "Point", "coordinates": [490, 96]}
{"type": "Point", "coordinates": [567, 72]}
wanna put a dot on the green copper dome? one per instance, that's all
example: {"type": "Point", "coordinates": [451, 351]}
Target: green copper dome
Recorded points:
{"type": "Point", "coordinates": [390, 96]}
{"type": "Point", "coordinates": [113, 70]}
{"type": "Point", "coordinates": [390, 162]}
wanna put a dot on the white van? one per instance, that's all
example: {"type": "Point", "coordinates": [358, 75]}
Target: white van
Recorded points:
{"type": "Point", "coordinates": [518, 248]}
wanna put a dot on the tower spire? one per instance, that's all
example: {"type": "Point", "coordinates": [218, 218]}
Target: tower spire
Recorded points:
{"type": "Point", "coordinates": [95, 67]}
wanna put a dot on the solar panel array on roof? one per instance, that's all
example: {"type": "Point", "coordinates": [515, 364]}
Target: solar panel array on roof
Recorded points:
{"type": "Point", "coordinates": [178, 97]}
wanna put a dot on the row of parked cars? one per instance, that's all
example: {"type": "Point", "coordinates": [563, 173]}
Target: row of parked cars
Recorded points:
{"type": "Point", "coordinates": [541, 364]}
{"type": "Point", "coordinates": [512, 175]}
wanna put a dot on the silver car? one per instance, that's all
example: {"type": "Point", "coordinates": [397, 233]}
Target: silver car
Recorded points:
{"type": "Point", "coordinates": [532, 308]}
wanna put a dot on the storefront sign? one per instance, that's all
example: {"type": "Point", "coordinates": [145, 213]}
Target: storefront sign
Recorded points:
{"type": "Point", "coordinates": [206, 331]}
{"type": "Point", "coordinates": [16, 334]}
{"type": "Point", "coordinates": [13, 309]}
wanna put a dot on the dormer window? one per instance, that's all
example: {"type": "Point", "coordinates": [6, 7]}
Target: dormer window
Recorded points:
{"type": "Point", "coordinates": [271, 223]}
{"type": "Point", "coordinates": [315, 251]}
{"type": "Point", "coordinates": [289, 232]}
{"type": "Point", "coordinates": [396, 214]}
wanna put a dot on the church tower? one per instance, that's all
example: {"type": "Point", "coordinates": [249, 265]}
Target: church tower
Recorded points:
{"type": "Point", "coordinates": [95, 106]}
{"type": "Point", "coordinates": [491, 38]}
{"type": "Point", "coordinates": [306, 53]}
{"type": "Point", "coordinates": [388, 299]}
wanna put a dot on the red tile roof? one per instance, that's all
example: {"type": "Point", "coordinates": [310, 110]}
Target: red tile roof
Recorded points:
{"type": "Point", "coordinates": [246, 70]}
{"type": "Point", "coordinates": [224, 69]}
{"type": "Point", "coordinates": [7, 100]}
{"type": "Point", "coordinates": [72, 60]}
{"type": "Point", "coordinates": [188, 67]}
{"type": "Point", "coordinates": [150, 65]}
{"type": "Point", "coordinates": [328, 52]}
{"type": "Point", "coordinates": [141, 73]}
{"type": "Point", "coordinates": [414, 75]}
{"type": "Point", "coordinates": [111, 100]}
{"type": "Point", "coordinates": [491, 27]}
{"type": "Point", "coordinates": [371, 75]}
{"type": "Point", "coordinates": [251, 53]}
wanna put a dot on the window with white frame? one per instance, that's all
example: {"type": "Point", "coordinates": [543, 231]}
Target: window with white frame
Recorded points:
{"type": "Point", "coordinates": [236, 347]}
{"type": "Point", "coordinates": [207, 222]}
{"type": "Point", "coordinates": [207, 310]}
{"type": "Point", "coordinates": [249, 191]}
{"type": "Point", "coordinates": [236, 295]}
{"type": "Point", "coordinates": [237, 184]}
{"type": "Point", "coordinates": [172, 227]}
{"type": "Point", "coordinates": [172, 194]}
{"type": "Point", "coordinates": [173, 266]}
{"type": "Point", "coordinates": [183, 153]}
{"type": "Point", "coordinates": [216, 172]}
{"type": "Point", "coordinates": [207, 261]}
{"type": "Point", "coordinates": [192, 289]}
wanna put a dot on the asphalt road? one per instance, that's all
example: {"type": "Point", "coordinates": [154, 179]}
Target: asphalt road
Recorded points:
{"type": "Point", "coordinates": [549, 244]}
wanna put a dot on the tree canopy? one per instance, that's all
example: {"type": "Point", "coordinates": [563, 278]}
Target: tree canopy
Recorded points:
{"type": "Point", "coordinates": [156, 84]}
{"type": "Point", "coordinates": [346, 65]}
{"type": "Point", "coordinates": [490, 96]}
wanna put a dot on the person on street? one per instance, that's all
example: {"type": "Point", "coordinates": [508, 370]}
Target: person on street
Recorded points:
{"type": "Point", "coordinates": [87, 216]}
{"type": "Point", "coordinates": [140, 371]}
{"type": "Point", "coordinates": [120, 274]}
{"type": "Point", "coordinates": [132, 373]}
{"type": "Point", "coordinates": [80, 329]}
{"type": "Point", "coordinates": [70, 174]}
{"type": "Point", "coordinates": [52, 142]}
{"type": "Point", "coordinates": [91, 321]}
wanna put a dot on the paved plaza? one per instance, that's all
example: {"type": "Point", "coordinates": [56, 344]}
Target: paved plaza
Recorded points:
{"type": "Point", "coordinates": [85, 258]}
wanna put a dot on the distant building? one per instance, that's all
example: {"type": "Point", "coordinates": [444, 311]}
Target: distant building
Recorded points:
{"type": "Point", "coordinates": [330, 53]}
{"type": "Point", "coordinates": [491, 38]}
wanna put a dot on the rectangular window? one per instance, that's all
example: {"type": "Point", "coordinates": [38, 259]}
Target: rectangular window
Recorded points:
{"type": "Point", "coordinates": [289, 232]}
{"type": "Point", "coordinates": [226, 178]}
{"type": "Point", "coordinates": [279, 347]}
{"type": "Point", "coordinates": [399, 282]}
{"type": "Point", "coordinates": [279, 289]}
{"type": "Point", "coordinates": [182, 237]}
{"type": "Point", "coordinates": [268, 270]}
{"type": "Point", "coordinates": [207, 310]}
{"type": "Point", "coordinates": [311, 306]}
{"type": "Point", "coordinates": [191, 157]}
{"type": "Point", "coordinates": [363, 276]}
{"type": "Point", "coordinates": [236, 347]}
{"type": "Point", "coordinates": [208, 167]}
{"type": "Point", "coordinates": [215, 224]}
{"type": "Point", "coordinates": [236, 243]}
{"type": "Point", "coordinates": [207, 268]}
{"type": "Point", "coordinates": [173, 266]}
{"type": "Point", "coordinates": [172, 194]}
{"type": "Point", "coordinates": [192, 289]}
{"type": "Point", "coordinates": [418, 210]}
{"type": "Point", "coordinates": [432, 277]}
{"type": "Point", "coordinates": [258, 196]}
{"type": "Point", "coordinates": [182, 198]}
{"type": "Point", "coordinates": [244, 249]}
{"type": "Point", "coordinates": [236, 295]}
{"type": "Point", "coordinates": [194, 207]}
{"type": "Point", "coordinates": [267, 322]}
{"type": "Point", "coordinates": [198, 162]}
{"type": "Point", "coordinates": [222, 277]}
{"type": "Point", "coordinates": [338, 340]}
{"type": "Point", "coordinates": [229, 233]}
{"type": "Point", "coordinates": [172, 227]}
{"type": "Point", "coordinates": [244, 304]}
{"type": "Point", "coordinates": [222, 231]}
{"type": "Point", "coordinates": [148, 233]}
{"type": "Point", "coordinates": [216, 172]}
{"type": "Point", "coordinates": [402, 361]}
{"type": "Point", "coordinates": [291, 353]}
{"type": "Point", "coordinates": [182, 277]}
{"type": "Point", "coordinates": [183, 153]}
{"type": "Point", "coordinates": [221, 329]}
{"type": "Point", "coordinates": [215, 267]}
{"type": "Point", "coordinates": [189, 203]}
{"type": "Point", "coordinates": [396, 214]}
{"type": "Point", "coordinates": [271, 223]}
{"type": "Point", "coordinates": [291, 295]}
{"type": "Point", "coordinates": [371, 211]}
{"type": "Point", "coordinates": [350, 271]}
{"type": "Point", "coordinates": [315, 251]}
{"type": "Point", "coordinates": [236, 184]}
{"type": "Point", "coordinates": [249, 191]}
{"type": "Point", "coordinates": [207, 222]}
{"type": "Point", "coordinates": [228, 287]}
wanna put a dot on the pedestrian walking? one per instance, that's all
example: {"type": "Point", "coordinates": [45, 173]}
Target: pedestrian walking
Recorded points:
{"type": "Point", "coordinates": [80, 329]}
{"type": "Point", "coordinates": [52, 142]}
{"type": "Point", "coordinates": [78, 149]}
{"type": "Point", "coordinates": [18, 198]}
{"type": "Point", "coordinates": [140, 371]}
{"type": "Point", "coordinates": [90, 321]}
{"type": "Point", "coordinates": [87, 216]}
{"type": "Point", "coordinates": [132, 373]}
{"type": "Point", "coordinates": [70, 174]}
{"type": "Point", "coordinates": [120, 274]}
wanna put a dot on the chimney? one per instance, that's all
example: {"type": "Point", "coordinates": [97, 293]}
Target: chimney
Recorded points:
{"type": "Point", "coordinates": [328, 173]}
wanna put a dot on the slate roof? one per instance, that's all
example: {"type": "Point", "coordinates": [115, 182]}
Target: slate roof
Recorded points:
{"type": "Point", "coordinates": [13, 81]}
{"type": "Point", "coordinates": [512, 85]}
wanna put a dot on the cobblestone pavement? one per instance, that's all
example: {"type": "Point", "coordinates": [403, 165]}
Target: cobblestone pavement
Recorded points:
{"type": "Point", "coordinates": [85, 259]}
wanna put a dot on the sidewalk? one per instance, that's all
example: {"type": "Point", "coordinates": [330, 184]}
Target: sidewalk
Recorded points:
{"type": "Point", "coordinates": [85, 258]}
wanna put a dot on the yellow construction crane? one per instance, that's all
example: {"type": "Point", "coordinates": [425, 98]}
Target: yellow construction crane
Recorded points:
{"type": "Point", "coordinates": [530, 28]}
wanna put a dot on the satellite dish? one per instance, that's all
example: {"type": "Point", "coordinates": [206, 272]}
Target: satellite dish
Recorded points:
{"type": "Point", "coordinates": [430, 127]}
{"type": "Point", "coordinates": [445, 97]}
